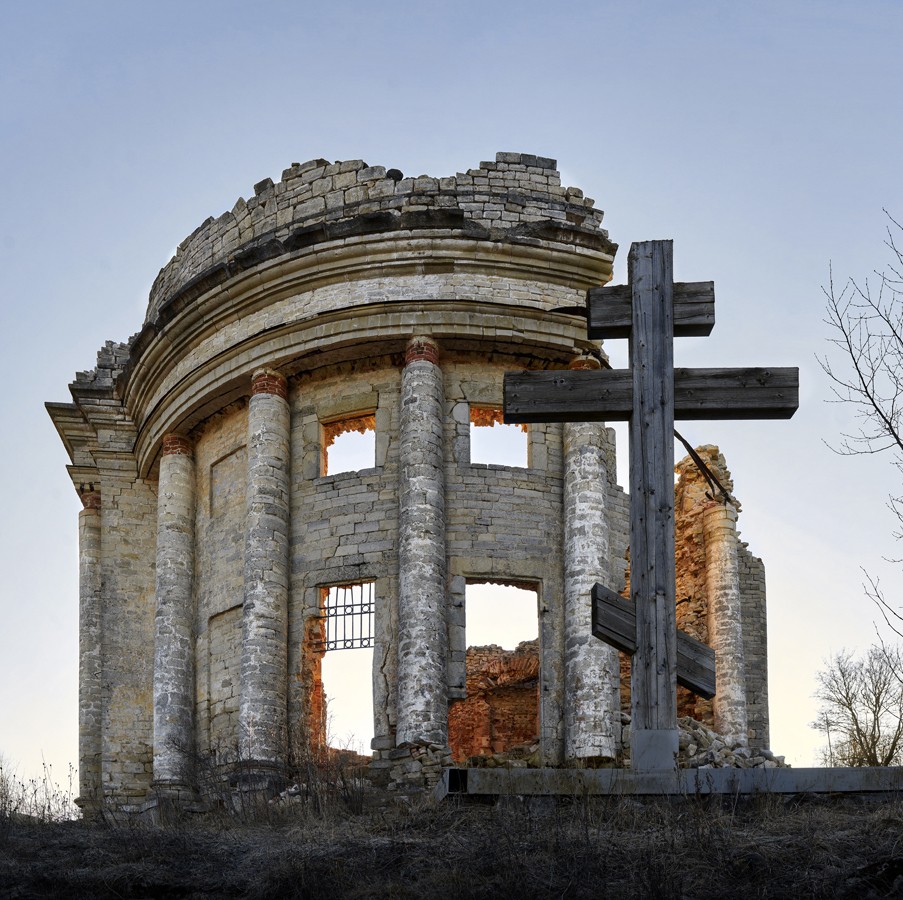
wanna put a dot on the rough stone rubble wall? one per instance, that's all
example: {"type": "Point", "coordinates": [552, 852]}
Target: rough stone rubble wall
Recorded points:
{"type": "Point", "coordinates": [514, 190]}
{"type": "Point", "coordinates": [501, 709]}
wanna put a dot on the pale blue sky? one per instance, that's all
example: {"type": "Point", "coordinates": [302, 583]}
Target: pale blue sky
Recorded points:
{"type": "Point", "coordinates": [763, 137]}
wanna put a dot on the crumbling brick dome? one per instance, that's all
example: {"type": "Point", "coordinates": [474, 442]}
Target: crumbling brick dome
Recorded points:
{"type": "Point", "coordinates": [345, 298]}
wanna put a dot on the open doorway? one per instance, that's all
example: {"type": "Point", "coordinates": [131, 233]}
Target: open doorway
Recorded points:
{"type": "Point", "coordinates": [499, 716]}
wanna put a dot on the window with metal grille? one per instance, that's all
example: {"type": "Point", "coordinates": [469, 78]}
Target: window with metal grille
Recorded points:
{"type": "Point", "coordinates": [347, 610]}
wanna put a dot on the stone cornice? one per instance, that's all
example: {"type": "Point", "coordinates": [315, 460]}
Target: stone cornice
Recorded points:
{"type": "Point", "coordinates": [379, 329]}
{"type": "Point", "coordinates": [347, 260]}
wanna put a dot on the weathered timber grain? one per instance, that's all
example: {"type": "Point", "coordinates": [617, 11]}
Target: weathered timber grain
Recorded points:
{"type": "Point", "coordinates": [606, 395]}
{"type": "Point", "coordinates": [609, 310]}
{"type": "Point", "coordinates": [614, 622]}
{"type": "Point", "coordinates": [652, 575]}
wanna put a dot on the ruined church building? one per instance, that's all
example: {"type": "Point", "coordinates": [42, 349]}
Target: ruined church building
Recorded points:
{"type": "Point", "coordinates": [350, 298]}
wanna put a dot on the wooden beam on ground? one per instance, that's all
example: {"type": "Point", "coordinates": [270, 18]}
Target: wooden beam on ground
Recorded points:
{"type": "Point", "coordinates": [609, 308]}
{"type": "Point", "coordinates": [614, 622]}
{"type": "Point", "coordinates": [606, 395]}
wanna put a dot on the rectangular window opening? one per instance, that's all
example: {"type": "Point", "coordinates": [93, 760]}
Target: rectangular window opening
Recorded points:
{"type": "Point", "coordinates": [342, 688]}
{"type": "Point", "coordinates": [500, 714]}
{"type": "Point", "coordinates": [349, 444]}
{"type": "Point", "coordinates": [494, 442]}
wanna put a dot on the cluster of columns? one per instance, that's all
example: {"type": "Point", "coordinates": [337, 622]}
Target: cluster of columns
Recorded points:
{"type": "Point", "coordinates": [591, 672]}
{"type": "Point", "coordinates": [262, 702]}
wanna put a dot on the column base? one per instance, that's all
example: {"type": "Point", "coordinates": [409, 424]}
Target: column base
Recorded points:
{"type": "Point", "coordinates": [654, 749]}
{"type": "Point", "coordinates": [259, 778]}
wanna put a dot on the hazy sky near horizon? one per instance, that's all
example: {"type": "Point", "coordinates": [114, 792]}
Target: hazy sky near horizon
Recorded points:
{"type": "Point", "coordinates": [763, 138]}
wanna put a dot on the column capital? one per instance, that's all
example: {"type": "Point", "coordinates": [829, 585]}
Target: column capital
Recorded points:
{"type": "Point", "coordinates": [584, 361]}
{"type": "Point", "coordinates": [268, 381]}
{"type": "Point", "coordinates": [175, 444]}
{"type": "Point", "coordinates": [421, 347]}
{"type": "Point", "coordinates": [90, 498]}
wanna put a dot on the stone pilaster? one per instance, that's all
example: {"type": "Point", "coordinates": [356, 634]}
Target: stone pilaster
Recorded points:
{"type": "Point", "coordinates": [90, 696]}
{"type": "Point", "coordinates": [591, 669]}
{"type": "Point", "coordinates": [422, 639]}
{"type": "Point", "coordinates": [174, 622]}
{"type": "Point", "coordinates": [264, 666]}
{"type": "Point", "coordinates": [725, 620]}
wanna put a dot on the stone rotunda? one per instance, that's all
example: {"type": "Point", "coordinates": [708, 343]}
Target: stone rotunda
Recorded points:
{"type": "Point", "coordinates": [349, 298]}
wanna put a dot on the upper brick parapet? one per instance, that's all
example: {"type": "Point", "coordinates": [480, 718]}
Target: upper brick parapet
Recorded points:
{"type": "Point", "coordinates": [496, 199]}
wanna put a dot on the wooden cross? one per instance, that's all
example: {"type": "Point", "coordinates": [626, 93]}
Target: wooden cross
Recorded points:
{"type": "Point", "coordinates": [650, 310]}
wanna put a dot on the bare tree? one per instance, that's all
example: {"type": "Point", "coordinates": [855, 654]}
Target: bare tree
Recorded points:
{"type": "Point", "coordinates": [867, 321]}
{"type": "Point", "coordinates": [866, 318]}
{"type": "Point", "coordinates": [861, 711]}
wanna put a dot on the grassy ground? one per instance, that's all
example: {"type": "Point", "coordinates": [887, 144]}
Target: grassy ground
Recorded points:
{"type": "Point", "coordinates": [598, 848]}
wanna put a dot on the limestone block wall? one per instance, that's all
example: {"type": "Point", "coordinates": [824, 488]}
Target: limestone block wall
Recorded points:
{"type": "Point", "coordinates": [221, 465]}
{"type": "Point", "coordinates": [504, 525]}
{"type": "Point", "coordinates": [755, 644]}
{"type": "Point", "coordinates": [345, 525]}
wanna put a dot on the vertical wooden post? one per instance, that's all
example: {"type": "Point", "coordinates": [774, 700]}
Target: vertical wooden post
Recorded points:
{"type": "Point", "coordinates": [654, 739]}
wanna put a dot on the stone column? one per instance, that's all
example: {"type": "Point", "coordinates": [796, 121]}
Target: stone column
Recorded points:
{"type": "Point", "coordinates": [89, 653]}
{"type": "Point", "coordinates": [262, 712]}
{"type": "Point", "coordinates": [722, 582]}
{"type": "Point", "coordinates": [422, 639]}
{"type": "Point", "coordinates": [591, 669]}
{"type": "Point", "coordinates": [174, 623]}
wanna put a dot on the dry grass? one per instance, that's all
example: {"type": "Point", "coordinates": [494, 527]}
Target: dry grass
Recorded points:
{"type": "Point", "coordinates": [758, 847]}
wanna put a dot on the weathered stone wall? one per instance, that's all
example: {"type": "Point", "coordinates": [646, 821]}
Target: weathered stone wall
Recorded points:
{"type": "Point", "coordinates": [504, 525]}
{"type": "Point", "coordinates": [221, 464]}
{"type": "Point", "coordinates": [344, 526]}
{"type": "Point", "coordinates": [516, 189]}
{"type": "Point", "coordinates": [322, 281]}
{"type": "Point", "coordinates": [755, 645]}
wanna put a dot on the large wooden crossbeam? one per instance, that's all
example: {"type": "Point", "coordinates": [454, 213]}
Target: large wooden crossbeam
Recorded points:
{"type": "Point", "coordinates": [610, 310]}
{"type": "Point", "coordinates": [606, 395]}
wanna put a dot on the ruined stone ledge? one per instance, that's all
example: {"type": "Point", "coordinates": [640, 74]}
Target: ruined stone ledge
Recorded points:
{"type": "Point", "coordinates": [680, 782]}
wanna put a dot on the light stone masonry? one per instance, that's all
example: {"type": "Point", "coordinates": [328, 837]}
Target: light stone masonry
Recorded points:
{"type": "Point", "coordinates": [262, 708]}
{"type": "Point", "coordinates": [90, 696]}
{"type": "Point", "coordinates": [725, 620]}
{"type": "Point", "coordinates": [592, 706]}
{"type": "Point", "coordinates": [174, 636]}
{"type": "Point", "coordinates": [422, 698]}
